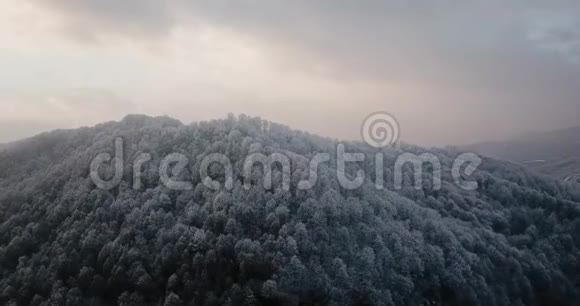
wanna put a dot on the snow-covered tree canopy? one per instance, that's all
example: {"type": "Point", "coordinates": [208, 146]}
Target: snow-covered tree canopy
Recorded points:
{"type": "Point", "coordinates": [63, 241]}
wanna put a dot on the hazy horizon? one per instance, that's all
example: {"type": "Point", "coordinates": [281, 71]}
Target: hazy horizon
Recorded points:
{"type": "Point", "coordinates": [34, 132]}
{"type": "Point", "coordinates": [450, 73]}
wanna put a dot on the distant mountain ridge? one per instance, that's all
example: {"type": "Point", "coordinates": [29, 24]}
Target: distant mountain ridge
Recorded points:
{"type": "Point", "coordinates": [554, 153]}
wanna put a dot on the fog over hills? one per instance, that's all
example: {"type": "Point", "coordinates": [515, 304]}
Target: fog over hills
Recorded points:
{"type": "Point", "coordinates": [513, 240]}
{"type": "Point", "coordinates": [554, 153]}
{"type": "Point", "coordinates": [341, 192]}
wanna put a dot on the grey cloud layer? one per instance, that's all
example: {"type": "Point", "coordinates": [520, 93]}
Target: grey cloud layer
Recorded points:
{"type": "Point", "coordinates": [376, 39]}
{"type": "Point", "coordinates": [519, 53]}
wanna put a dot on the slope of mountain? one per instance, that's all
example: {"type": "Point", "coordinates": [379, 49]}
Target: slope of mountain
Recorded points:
{"type": "Point", "coordinates": [513, 241]}
{"type": "Point", "coordinates": [6, 145]}
{"type": "Point", "coordinates": [555, 153]}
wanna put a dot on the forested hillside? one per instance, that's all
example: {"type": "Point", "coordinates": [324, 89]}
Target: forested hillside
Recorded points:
{"type": "Point", "coordinates": [513, 241]}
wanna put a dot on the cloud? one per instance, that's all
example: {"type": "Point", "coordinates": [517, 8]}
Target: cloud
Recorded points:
{"type": "Point", "coordinates": [25, 113]}
{"type": "Point", "coordinates": [557, 32]}
{"type": "Point", "coordinates": [374, 39]}
{"type": "Point", "coordinates": [462, 63]}
{"type": "Point", "coordinates": [87, 20]}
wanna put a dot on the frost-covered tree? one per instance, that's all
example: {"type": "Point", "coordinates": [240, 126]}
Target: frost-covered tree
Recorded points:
{"type": "Point", "coordinates": [63, 241]}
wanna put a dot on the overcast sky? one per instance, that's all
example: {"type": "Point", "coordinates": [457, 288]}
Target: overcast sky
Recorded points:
{"type": "Point", "coordinates": [452, 72]}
